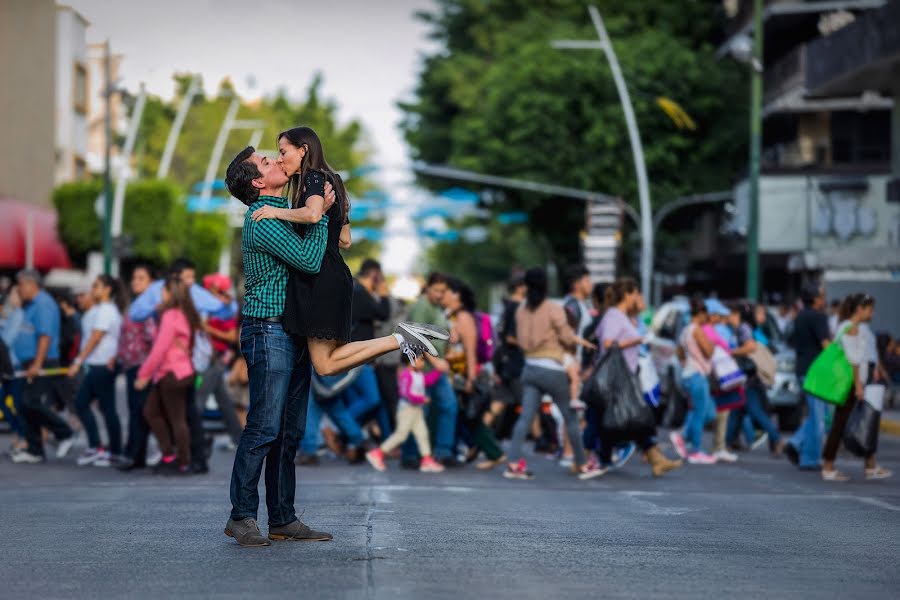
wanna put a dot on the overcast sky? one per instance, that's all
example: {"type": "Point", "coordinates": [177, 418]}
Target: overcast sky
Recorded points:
{"type": "Point", "coordinates": [368, 52]}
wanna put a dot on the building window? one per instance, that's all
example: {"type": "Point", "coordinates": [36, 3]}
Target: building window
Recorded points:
{"type": "Point", "coordinates": [80, 89]}
{"type": "Point", "coordinates": [80, 168]}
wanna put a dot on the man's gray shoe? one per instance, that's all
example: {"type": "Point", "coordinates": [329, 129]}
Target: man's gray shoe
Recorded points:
{"type": "Point", "coordinates": [246, 532]}
{"type": "Point", "coordinates": [298, 532]}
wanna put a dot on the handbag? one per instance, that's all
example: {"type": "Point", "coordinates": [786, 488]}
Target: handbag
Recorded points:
{"type": "Point", "coordinates": [766, 365]}
{"type": "Point", "coordinates": [830, 376]}
{"type": "Point", "coordinates": [726, 374]}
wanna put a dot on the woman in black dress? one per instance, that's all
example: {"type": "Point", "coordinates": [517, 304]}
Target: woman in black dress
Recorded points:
{"type": "Point", "coordinates": [318, 307]}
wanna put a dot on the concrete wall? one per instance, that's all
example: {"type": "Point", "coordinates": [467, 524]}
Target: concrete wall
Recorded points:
{"type": "Point", "coordinates": [796, 215]}
{"type": "Point", "coordinates": [71, 112]}
{"type": "Point", "coordinates": [885, 291]}
{"type": "Point", "coordinates": [27, 92]}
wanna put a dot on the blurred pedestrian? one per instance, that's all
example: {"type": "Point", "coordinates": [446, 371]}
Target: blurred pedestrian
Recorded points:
{"type": "Point", "coordinates": [100, 330]}
{"type": "Point", "coordinates": [410, 414]}
{"type": "Point", "coordinates": [171, 371]}
{"type": "Point", "coordinates": [471, 385]}
{"type": "Point", "coordinates": [810, 336]}
{"type": "Point", "coordinates": [12, 317]}
{"type": "Point", "coordinates": [696, 349]}
{"type": "Point", "coordinates": [543, 333]}
{"type": "Point", "coordinates": [855, 310]}
{"type": "Point", "coordinates": [617, 327]}
{"type": "Point", "coordinates": [443, 409]}
{"type": "Point", "coordinates": [37, 347]}
{"type": "Point", "coordinates": [135, 343]}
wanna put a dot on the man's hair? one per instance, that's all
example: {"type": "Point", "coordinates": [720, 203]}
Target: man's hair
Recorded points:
{"type": "Point", "coordinates": [29, 275]}
{"type": "Point", "coordinates": [434, 278]}
{"type": "Point", "coordinates": [573, 274]}
{"type": "Point", "coordinates": [809, 294]}
{"type": "Point", "coordinates": [368, 267]}
{"type": "Point", "coordinates": [515, 282]}
{"type": "Point", "coordinates": [239, 177]}
{"type": "Point", "coordinates": [181, 264]}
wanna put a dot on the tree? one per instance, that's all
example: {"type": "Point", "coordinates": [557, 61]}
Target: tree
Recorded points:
{"type": "Point", "coordinates": [496, 98]}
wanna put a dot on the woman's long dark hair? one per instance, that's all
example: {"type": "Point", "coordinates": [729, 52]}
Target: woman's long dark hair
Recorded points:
{"type": "Point", "coordinates": [536, 282]}
{"type": "Point", "coordinates": [180, 298]}
{"type": "Point", "coordinates": [314, 160]}
{"type": "Point", "coordinates": [117, 291]}
{"type": "Point", "coordinates": [466, 295]}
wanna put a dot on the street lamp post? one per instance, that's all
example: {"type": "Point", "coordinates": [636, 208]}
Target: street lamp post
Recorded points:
{"type": "Point", "coordinates": [755, 142]}
{"type": "Point", "coordinates": [169, 152]}
{"type": "Point", "coordinates": [633, 135]}
{"type": "Point", "coordinates": [107, 176]}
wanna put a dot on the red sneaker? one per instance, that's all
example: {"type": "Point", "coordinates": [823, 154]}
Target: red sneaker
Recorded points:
{"type": "Point", "coordinates": [376, 459]}
{"type": "Point", "coordinates": [429, 465]}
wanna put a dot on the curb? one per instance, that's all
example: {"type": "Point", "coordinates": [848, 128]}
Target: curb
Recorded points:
{"type": "Point", "coordinates": [890, 427]}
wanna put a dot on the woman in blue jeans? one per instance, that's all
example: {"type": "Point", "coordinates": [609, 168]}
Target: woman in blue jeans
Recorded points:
{"type": "Point", "coordinates": [743, 344]}
{"type": "Point", "coordinates": [697, 350]}
{"type": "Point", "coordinates": [100, 330]}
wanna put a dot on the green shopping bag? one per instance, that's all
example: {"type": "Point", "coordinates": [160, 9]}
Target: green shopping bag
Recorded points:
{"type": "Point", "coordinates": [830, 376]}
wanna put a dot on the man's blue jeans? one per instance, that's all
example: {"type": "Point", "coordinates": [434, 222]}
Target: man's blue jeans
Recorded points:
{"type": "Point", "coordinates": [339, 415]}
{"type": "Point", "coordinates": [702, 407]}
{"type": "Point", "coordinates": [441, 414]}
{"type": "Point", "coordinates": [99, 382]}
{"type": "Point", "coordinates": [279, 372]}
{"type": "Point", "coordinates": [808, 439]}
{"type": "Point", "coordinates": [362, 396]}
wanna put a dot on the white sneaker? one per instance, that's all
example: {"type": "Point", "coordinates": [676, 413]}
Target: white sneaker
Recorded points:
{"type": "Point", "coordinates": [153, 458]}
{"type": "Point", "coordinates": [566, 462]}
{"type": "Point", "coordinates": [760, 441]}
{"type": "Point", "coordinates": [89, 456]}
{"type": "Point", "coordinates": [65, 446]}
{"type": "Point", "coordinates": [701, 458]}
{"type": "Point", "coordinates": [24, 456]}
{"type": "Point", "coordinates": [104, 460]}
{"type": "Point", "coordinates": [725, 456]}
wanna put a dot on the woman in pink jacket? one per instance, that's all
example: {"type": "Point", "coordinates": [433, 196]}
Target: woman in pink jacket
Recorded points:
{"type": "Point", "coordinates": [169, 367]}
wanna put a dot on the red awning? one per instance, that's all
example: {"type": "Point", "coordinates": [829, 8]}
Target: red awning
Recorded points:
{"type": "Point", "coordinates": [49, 253]}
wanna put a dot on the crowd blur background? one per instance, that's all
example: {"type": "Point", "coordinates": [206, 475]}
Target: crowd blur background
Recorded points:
{"type": "Point", "coordinates": [475, 146]}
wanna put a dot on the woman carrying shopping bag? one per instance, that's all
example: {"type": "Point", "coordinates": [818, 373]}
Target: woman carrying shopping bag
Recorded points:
{"type": "Point", "coordinates": [855, 309]}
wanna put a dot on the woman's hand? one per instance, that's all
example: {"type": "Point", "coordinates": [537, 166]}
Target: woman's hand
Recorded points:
{"type": "Point", "coordinates": [266, 212]}
{"type": "Point", "coordinates": [860, 391]}
{"type": "Point", "coordinates": [141, 384]}
{"type": "Point", "coordinates": [469, 387]}
{"type": "Point", "coordinates": [74, 369]}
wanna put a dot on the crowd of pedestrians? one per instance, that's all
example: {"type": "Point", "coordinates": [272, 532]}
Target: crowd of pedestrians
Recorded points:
{"type": "Point", "coordinates": [524, 375]}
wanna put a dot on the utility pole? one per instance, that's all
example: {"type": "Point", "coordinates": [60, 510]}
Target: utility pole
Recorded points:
{"type": "Point", "coordinates": [118, 209]}
{"type": "Point", "coordinates": [634, 136]}
{"type": "Point", "coordinates": [753, 283]}
{"type": "Point", "coordinates": [107, 180]}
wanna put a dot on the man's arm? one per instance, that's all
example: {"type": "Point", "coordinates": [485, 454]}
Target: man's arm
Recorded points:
{"type": "Point", "coordinates": [144, 306]}
{"type": "Point", "coordinates": [208, 303]}
{"type": "Point", "coordinates": [302, 253]}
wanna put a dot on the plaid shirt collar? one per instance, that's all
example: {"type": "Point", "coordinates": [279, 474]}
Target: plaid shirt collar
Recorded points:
{"type": "Point", "coordinates": [276, 201]}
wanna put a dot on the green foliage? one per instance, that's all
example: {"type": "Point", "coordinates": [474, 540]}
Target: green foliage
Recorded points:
{"type": "Point", "coordinates": [78, 224]}
{"type": "Point", "coordinates": [497, 98]}
{"type": "Point", "coordinates": [154, 216]}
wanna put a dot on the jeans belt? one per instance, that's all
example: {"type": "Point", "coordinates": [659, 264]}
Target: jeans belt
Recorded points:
{"type": "Point", "coordinates": [269, 319]}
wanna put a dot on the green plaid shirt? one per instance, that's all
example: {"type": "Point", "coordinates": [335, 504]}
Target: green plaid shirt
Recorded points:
{"type": "Point", "coordinates": [271, 246]}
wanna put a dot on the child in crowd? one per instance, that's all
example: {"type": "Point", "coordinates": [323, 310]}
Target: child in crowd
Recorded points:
{"type": "Point", "coordinates": [410, 414]}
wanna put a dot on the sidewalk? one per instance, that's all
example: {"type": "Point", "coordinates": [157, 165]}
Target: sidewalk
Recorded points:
{"type": "Point", "coordinates": [890, 421]}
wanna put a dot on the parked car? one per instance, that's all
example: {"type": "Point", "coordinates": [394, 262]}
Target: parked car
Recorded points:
{"type": "Point", "coordinates": [670, 320]}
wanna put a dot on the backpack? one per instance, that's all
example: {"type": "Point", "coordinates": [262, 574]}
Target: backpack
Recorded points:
{"type": "Point", "coordinates": [486, 342]}
{"type": "Point", "coordinates": [573, 313]}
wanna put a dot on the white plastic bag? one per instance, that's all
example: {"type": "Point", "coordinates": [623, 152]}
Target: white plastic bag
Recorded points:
{"type": "Point", "coordinates": [874, 396]}
{"type": "Point", "coordinates": [649, 381]}
{"type": "Point", "coordinates": [726, 370]}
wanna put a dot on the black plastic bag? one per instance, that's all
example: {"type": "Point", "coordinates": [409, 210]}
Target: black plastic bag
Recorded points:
{"type": "Point", "coordinates": [861, 431]}
{"type": "Point", "coordinates": [615, 392]}
{"type": "Point", "coordinates": [673, 409]}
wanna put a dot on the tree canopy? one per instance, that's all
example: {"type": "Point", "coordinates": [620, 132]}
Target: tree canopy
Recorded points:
{"type": "Point", "coordinates": [497, 98]}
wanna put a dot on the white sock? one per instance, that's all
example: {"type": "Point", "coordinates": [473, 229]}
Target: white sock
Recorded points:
{"type": "Point", "coordinates": [399, 339]}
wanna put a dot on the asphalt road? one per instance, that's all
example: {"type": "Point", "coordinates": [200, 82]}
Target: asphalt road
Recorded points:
{"type": "Point", "coordinates": [755, 529]}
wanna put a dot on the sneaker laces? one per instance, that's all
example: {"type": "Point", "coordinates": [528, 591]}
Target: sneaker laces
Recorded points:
{"type": "Point", "coordinates": [412, 351]}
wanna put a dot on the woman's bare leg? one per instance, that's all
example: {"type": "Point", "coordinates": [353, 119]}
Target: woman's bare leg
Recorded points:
{"type": "Point", "coordinates": [330, 357]}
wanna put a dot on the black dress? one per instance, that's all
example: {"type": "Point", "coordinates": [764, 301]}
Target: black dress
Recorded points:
{"type": "Point", "coordinates": [319, 306]}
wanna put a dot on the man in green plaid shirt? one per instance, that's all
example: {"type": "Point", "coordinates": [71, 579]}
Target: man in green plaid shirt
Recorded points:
{"type": "Point", "coordinates": [279, 368]}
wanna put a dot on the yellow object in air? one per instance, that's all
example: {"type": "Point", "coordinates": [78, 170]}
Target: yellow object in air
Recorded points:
{"type": "Point", "coordinates": [678, 115]}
